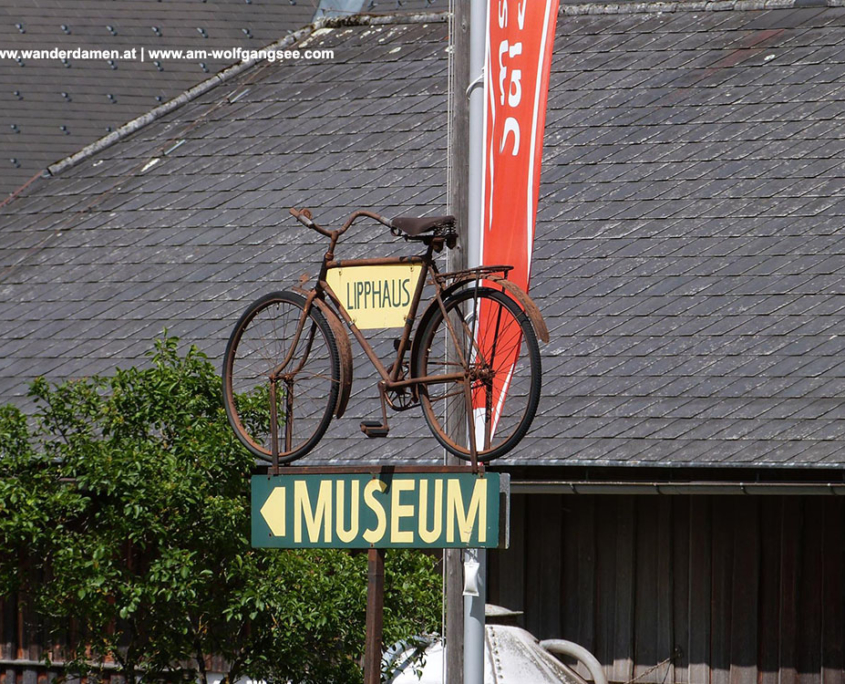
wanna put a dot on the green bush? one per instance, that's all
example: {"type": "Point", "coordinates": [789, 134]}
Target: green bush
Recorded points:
{"type": "Point", "coordinates": [124, 505]}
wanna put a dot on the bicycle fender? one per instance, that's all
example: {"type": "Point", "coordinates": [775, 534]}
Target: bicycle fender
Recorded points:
{"type": "Point", "coordinates": [344, 350]}
{"type": "Point", "coordinates": [528, 305]}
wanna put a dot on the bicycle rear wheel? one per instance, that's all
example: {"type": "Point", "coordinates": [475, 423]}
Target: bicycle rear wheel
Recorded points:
{"type": "Point", "coordinates": [269, 401]}
{"type": "Point", "coordinates": [490, 339]}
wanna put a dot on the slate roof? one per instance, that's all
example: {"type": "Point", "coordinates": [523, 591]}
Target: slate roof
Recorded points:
{"type": "Point", "coordinates": [690, 260]}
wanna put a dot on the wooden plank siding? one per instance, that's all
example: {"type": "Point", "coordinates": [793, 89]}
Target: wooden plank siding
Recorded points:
{"type": "Point", "coordinates": [688, 589]}
{"type": "Point", "coordinates": [833, 593]}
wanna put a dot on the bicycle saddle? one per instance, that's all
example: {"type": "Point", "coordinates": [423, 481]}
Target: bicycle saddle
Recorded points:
{"type": "Point", "coordinates": [417, 226]}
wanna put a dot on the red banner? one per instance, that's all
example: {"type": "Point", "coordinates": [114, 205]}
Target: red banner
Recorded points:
{"type": "Point", "coordinates": [519, 56]}
{"type": "Point", "coordinates": [520, 40]}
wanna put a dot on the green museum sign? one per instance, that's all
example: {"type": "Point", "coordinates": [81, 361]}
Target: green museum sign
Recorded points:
{"type": "Point", "coordinates": [362, 510]}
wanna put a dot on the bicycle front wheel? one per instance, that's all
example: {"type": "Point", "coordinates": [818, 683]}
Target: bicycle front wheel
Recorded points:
{"type": "Point", "coordinates": [489, 339]}
{"type": "Point", "coordinates": [280, 380]}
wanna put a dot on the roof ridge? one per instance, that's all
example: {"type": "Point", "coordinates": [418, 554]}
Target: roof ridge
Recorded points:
{"type": "Point", "coordinates": [384, 19]}
{"type": "Point", "coordinates": [658, 6]}
{"type": "Point", "coordinates": [184, 98]}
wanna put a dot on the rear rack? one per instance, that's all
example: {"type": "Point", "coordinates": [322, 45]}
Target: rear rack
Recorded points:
{"type": "Point", "coordinates": [478, 273]}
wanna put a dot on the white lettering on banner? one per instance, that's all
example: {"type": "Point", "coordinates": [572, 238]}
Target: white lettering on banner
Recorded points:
{"type": "Point", "coordinates": [511, 126]}
{"type": "Point", "coordinates": [507, 72]}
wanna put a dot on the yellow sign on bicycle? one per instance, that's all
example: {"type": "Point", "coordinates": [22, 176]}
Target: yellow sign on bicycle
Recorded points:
{"type": "Point", "coordinates": [375, 296]}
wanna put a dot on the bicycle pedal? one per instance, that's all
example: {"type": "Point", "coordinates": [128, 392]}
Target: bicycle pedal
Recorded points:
{"type": "Point", "coordinates": [373, 428]}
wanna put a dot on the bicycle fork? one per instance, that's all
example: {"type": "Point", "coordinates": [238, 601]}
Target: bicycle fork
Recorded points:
{"type": "Point", "coordinates": [274, 419]}
{"type": "Point", "coordinates": [277, 374]}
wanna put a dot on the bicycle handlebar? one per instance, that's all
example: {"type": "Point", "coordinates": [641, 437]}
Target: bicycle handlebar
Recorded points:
{"type": "Point", "coordinates": [358, 214]}
{"type": "Point", "coordinates": [304, 217]}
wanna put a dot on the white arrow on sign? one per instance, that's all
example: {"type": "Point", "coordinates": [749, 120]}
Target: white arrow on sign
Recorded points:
{"type": "Point", "coordinates": [273, 512]}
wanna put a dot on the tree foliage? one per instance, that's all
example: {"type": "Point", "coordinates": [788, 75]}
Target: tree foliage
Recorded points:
{"type": "Point", "coordinates": [124, 507]}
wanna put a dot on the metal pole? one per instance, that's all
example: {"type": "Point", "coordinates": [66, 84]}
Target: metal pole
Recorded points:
{"type": "Point", "coordinates": [459, 38]}
{"type": "Point", "coordinates": [474, 631]}
{"type": "Point", "coordinates": [478, 46]}
{"type": "Point", "coordinates": [375, 616]}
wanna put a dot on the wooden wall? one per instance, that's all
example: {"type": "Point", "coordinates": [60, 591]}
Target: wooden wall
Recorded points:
{"type": "Point", "coordinates": [739, 589]}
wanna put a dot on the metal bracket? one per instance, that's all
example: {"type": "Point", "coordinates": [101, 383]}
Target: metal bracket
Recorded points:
{"type": "Point", "coordinates": [477, 82]}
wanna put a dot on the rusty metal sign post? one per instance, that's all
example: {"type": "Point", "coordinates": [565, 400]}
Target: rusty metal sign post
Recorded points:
{"type": "Point", "coordinates": [377, 508]}
{"type": "Point", "coordinates": [375, 616]}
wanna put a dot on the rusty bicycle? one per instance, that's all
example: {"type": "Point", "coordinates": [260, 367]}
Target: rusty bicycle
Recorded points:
{"type": "Point", "coordinates": [473, 364]}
